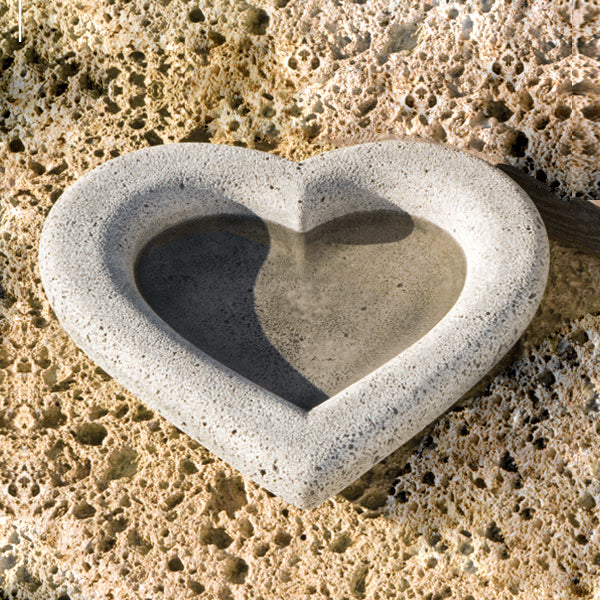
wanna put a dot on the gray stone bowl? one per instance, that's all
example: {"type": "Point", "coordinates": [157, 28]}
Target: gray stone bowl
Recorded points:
{"type": "Point", "coordinates": [95, 232]}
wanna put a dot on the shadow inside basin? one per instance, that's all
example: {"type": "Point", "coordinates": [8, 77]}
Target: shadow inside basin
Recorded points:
{"type": "Point", "coordinates": [303, 315]}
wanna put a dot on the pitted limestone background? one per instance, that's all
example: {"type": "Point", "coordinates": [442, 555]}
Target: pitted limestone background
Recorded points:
{"type": "Point", "coordinates": [517, 82]}
{"type": "Point", "coordinates": [498, 500]}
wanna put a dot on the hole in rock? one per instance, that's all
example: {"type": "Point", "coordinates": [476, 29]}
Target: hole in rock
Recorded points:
{"type": "Point", "coordinates": [304, 315]}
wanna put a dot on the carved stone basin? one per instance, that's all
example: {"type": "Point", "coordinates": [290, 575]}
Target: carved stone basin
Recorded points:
{"type": "Point", "coordinates": [301, 320]}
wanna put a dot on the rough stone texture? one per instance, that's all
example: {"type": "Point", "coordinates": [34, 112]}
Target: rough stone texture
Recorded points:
{"type": "Point", "coordinates": [513, 81]}
{"type": "Point", "coordinates": [31, 568]}
{"type": "Point", "coordinates": [62, 114]}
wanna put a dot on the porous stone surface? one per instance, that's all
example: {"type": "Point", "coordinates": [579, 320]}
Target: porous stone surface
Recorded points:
{"type": "Point", "coordinates": [167, 519]}
{"type": "Point", "coordinates": [94, 234]}
{"type": "Point", "coordinates": [512, 81]}
{"type": "Point", "coordinates": [31, 569]}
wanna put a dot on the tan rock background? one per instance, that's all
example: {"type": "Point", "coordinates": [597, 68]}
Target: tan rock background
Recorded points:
{"type": "Point", "coordinates": [101, 498]}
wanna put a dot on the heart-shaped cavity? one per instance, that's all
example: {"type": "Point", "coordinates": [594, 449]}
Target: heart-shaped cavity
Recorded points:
{"type": "Point", "coordinates": [302, 447]}
{"type": "Point", "coordinates": [303, 315]}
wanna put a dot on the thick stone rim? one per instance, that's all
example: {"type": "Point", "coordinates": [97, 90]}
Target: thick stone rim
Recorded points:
{"type": "Point", "coordinates": [94, 233]}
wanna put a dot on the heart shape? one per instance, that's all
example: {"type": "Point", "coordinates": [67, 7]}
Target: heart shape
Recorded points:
{"type": "Point", "coordinates": [100, 227]}
{"type": "Point", "coordinates": [303, 315]}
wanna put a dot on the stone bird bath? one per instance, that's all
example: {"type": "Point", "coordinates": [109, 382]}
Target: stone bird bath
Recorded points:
{"type": "Point", "coordinates": [300, 320]}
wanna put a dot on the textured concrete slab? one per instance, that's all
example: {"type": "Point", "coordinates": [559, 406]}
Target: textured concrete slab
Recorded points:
{"type": "Point", "coordinates": [95, 233]}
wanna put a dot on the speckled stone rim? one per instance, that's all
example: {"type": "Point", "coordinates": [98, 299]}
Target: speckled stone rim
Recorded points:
{"type": "Point", "coordinates": [96, 230]}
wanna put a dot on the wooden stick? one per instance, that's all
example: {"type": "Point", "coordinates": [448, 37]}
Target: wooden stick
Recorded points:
{"type": "Point", "coordinates": [574, 223]}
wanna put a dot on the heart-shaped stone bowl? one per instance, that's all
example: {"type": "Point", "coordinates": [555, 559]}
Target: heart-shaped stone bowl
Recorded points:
{"type": "Point", "coordinates": [95, 233]}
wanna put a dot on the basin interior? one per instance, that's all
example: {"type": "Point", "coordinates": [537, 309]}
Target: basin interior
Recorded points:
{"type": "Point", "coordinates": [303, 315]}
